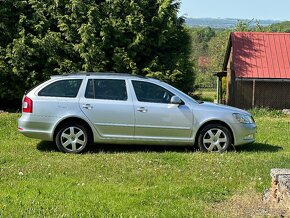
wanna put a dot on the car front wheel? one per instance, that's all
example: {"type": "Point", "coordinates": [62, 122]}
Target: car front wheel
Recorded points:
{"type": "Point", "coordinates": [214, 138]}
{"type": "Point", "coordinates": [72, 138]}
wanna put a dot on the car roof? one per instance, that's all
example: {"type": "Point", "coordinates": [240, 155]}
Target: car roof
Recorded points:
{"type": "Point", "coordinates": [104, 75]}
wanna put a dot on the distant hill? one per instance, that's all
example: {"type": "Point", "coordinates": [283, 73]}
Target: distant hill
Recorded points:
{"type": "Point", "coordinates": [221, 23]}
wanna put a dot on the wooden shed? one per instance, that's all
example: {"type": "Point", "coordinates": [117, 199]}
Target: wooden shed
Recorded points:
{"type": "Point", "coordinates": [257, 68]}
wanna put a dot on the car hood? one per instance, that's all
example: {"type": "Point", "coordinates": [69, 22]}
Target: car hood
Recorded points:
{"type": "Point", "coordinates": [214, 107]}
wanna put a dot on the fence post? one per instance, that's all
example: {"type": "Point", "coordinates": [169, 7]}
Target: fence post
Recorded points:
{"type": "Point", "coordinates": [253, 94]}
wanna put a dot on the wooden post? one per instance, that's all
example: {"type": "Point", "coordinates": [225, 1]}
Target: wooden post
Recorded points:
{"type": "Point", "coordinates": [253, 94]}
{"type": "Point", "coordinates": [217, 90]}
{"type": "Point", "coordinates": [220, 89]}
{"type": "Point", "coordinates": [232, 87]}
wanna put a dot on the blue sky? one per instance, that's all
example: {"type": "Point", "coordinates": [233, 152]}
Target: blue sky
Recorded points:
{"type": "Point", "coordinates": [245, 9]}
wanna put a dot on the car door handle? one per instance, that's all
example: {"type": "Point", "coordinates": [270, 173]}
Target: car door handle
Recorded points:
{"type": "Point", "coordinates": [142, 109]}
{"type": "Point", "coordinates": [88, 106]}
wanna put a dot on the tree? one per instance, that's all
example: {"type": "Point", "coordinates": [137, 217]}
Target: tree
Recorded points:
{"type": "Point", "coordinates": [200, 37]}
{"type": "Point", "coordinates": [279, 27]}
{"type": "Point", "coordinates": [45, 37]}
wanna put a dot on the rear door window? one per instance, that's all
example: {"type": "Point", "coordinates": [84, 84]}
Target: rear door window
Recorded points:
{"type": "Point", "coordinates": [64, 88]}
{"type": "Point", "coordinates": [107, 89]}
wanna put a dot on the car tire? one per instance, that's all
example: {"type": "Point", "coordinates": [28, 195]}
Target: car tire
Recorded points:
{"type": "Point", "coordinates": [72, 138]}
{"type": "Point", "coordinates": [214, 138]}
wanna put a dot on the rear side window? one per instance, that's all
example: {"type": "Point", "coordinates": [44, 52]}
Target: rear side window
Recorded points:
{"type": "Point", "coordinates": [63, 88]}
{"type": "Point", "coordinates": [107, 89]}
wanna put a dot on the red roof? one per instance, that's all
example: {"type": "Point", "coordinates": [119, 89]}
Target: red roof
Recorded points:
{"type": "Point", "coordinates": [261, 55]}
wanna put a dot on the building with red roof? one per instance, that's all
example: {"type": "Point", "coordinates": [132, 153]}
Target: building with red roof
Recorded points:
{"type": "Point", "coordinates": [257, 67]}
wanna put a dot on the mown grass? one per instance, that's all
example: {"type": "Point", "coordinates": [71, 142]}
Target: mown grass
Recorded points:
{"type": "Point", "coordinates": [137, 181]}
{"type": "Point", "coordinates": [205, 94]}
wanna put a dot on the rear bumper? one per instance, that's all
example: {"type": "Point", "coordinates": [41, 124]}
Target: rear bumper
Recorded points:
{"type": "Point", "coordinates": [36, 134]}
{"type": "Point", "coordinates": [33, 127]}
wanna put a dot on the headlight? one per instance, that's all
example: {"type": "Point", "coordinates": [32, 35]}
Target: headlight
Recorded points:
{"type": "Point", "coordinates": [243, 118]}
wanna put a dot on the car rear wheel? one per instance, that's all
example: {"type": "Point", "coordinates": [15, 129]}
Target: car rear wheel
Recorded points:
{"type": "Point", "coordinates": [214, 138]}
{"type": "Point", "coordinates": [72, 138]}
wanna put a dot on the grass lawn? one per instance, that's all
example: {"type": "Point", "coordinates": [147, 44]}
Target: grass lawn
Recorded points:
{"type": "Point", "coordinates": [205, 94]}
{"type": "Point", "coordinates": [139, 181]}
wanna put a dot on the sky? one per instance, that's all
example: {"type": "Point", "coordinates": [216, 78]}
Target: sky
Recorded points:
{"type": "Point", "coordinates": [241, 9]}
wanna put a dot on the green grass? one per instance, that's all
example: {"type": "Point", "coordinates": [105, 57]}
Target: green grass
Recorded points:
{"type": "Point", "coordinates": [137, 181]}
{"type": "Point", "coordinates": [205, 94]}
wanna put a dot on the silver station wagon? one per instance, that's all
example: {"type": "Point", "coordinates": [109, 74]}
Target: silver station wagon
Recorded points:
{"type": "Point", "coordinates": [77, 110]}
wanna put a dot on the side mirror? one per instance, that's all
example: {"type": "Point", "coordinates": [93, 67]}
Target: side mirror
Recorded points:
{"type": "Point", "coordinates": [175, 100]}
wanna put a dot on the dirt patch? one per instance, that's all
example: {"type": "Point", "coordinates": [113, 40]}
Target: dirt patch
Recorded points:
{"type": "Point", "coordinates": [248, 204]}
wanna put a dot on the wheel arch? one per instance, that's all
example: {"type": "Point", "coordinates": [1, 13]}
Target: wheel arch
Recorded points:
{"type": "Point", "coordinates": [73, 120]}
{"type": "Point", "coordinates": [214, 122]}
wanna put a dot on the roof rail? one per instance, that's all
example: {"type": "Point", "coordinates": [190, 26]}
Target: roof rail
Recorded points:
{"type": "Point", "coordinates": [100, 74]}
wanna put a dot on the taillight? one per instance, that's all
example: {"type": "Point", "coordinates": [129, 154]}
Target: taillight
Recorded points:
{"type": "Point", "coordinates": [27, 105]}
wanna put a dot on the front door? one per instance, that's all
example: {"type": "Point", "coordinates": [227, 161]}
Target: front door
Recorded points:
{"type": "Point", "coordinates": [156, 118]}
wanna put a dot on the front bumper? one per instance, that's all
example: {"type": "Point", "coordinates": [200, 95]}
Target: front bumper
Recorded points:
{"type": "Point", "coordinates": [244, 133]}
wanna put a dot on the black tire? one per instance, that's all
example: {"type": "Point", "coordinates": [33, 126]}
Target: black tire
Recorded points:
{"type": "Point", "coordinates": [214, 138]}
{"type": "Point", "coordinates": [72, 138]}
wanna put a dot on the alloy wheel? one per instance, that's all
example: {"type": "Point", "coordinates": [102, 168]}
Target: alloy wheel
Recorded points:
{"type": "Point", "coordinates": [215, 139]}
{"type": "Point", "coordinates": [73, 139]}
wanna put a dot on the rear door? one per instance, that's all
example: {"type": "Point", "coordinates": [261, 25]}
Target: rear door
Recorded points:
{"type": "Point", "coordinates": [109, 107]}
{"type": "Point", "coordinates": [156, 118]}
